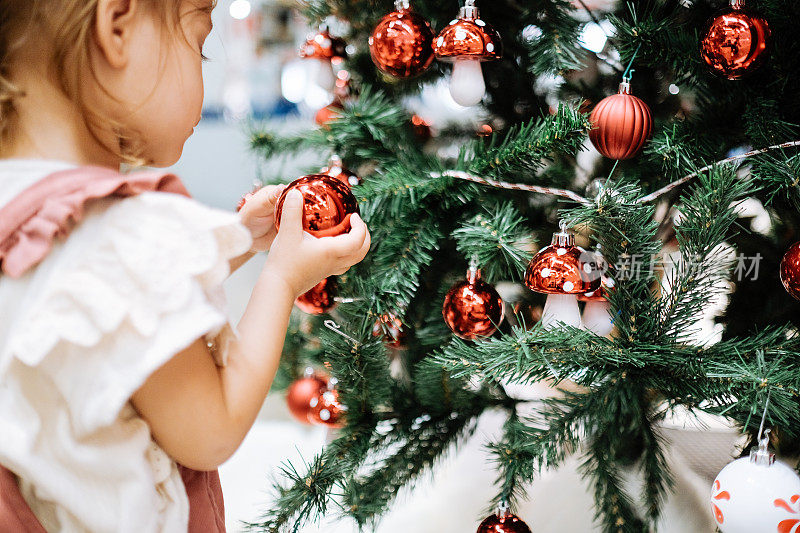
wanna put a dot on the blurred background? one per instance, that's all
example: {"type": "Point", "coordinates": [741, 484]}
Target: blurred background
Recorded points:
{"type": "Point", "coordinates": [255, 75]}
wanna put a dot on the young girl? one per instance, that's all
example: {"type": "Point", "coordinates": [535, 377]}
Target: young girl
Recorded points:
{"type": "Point", "coordinates": [121, 383]}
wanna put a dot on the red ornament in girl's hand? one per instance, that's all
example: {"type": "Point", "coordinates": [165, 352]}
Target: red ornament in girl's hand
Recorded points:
{"type": "Point", "coordinates": [328, 205]}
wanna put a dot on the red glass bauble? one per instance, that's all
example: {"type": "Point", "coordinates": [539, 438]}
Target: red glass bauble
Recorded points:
{"type": "Point", "coordinates": [735, 42]}
{"type": "Point", "coordinates": [322, 45]}
{"type": "Point", "coordinates": [503, 523]}
{"type": "Point", "coordinates": [337, 170]}
{"type": "Point", "coordinates": [302, 393]}
{"type": "Point", "coordinates": [320, 299]}
{"type": "Point", "coordinates": [622, 125]}
{"type": "Point", "coordinates": [790, 271]}
{"type": "Point", "coordinates": [326, 409]}
{"type": "Point", "coordinates": [328, 114]}
{"type": "Point", "coordinates": [563, 268]}
{"type": "Point", "coordinates": [468, 37]}
{"type": "Point", "coordinates": [392, 329]}
{"type": "Point", "coordinates": [402, 44]}
{"type": "Point", "coordinates": [473, 308]}
{"type": "Point", "coordinates": [328, 205]}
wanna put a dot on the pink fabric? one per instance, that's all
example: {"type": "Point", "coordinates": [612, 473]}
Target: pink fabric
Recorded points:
{"type": "Point", "coordinates": [53, 205]}
{"type": "Point", "coordinates": [29, 225]}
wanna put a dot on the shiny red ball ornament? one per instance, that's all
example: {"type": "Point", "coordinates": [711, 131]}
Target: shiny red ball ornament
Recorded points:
{"type": "Point", "coordinates": [622, 124]}
{"type": "Point", "coordinates": [503, 522]}
{"type": "Point", "coordinates": [563, 268]}
{"type": "Point", "coordinates": [392, 329]}
{"type": "Point", "coordinates": [322, 45]}
{"type": "Point", "coordinates": [337, 170]}
{"type": "Point", "coordinates": [735, 42]}
{"type": "Point", "coordinates": [402, 43]}
{"type": "Point", "coordinates": [328, 205]}
{"type": "Point", "coordinates": [326, 409]}
{"type": "Point", "coordinates": [320, 299]}
{"type": "Point", "coordinates": [473, 308]}
{"type": "Point", "coordinates": [790, 270]}
{"type": "Point", "coordinates": [302, 393]}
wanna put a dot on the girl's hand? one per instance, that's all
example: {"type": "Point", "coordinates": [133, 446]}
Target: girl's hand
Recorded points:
{"type": "Point", "coordinates": [302, 260]}
{"type": "Point", "coordinates": [258, 215]}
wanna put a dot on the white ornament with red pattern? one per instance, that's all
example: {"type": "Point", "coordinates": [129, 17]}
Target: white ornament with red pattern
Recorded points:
{"type": "Point", "coordinates": [757, 495]}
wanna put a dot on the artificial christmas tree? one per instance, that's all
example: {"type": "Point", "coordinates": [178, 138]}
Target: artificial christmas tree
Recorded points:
{"type": "Point", "coordinates": [432, 209]}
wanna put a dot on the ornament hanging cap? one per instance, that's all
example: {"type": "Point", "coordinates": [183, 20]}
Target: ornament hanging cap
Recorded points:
{"type": "Point", "coordinates": [563, 238]}
{"type": "Point", "coordinates": [402, 5]}
{"type": "Point", "coordinates": [474, 273]}
{"type": "Point", "coordinates": [737, 4]}
{"type": "Point", "coordinates": [469, 11]}
{"type": "Point", "coordinates": [761, 455]}
{"type": "Point", "coordinates": [625, 86]}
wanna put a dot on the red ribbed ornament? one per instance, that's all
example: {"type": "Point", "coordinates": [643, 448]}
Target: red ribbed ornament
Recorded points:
{"type": "Point", "coordinates": [622, 125]}
{"type": "Point", "coordinates": [320, 299]}
{"type": "Point", "coordinates": [473, 308]}
{"type": "Point", "coordinates": [402, 43]}
{"type": "Point", "coordinates": [563, 268]}
{"type": "Point", "coordinates": [735, 41]}
{"type": "Point", "coordinates": [503, 523]}
{"type": "Point", "coordinates": [302, 393]}
{"type": "Point", "coordinates": [327, 208]}
{"type": "Point", "coordinates": [790, 270]}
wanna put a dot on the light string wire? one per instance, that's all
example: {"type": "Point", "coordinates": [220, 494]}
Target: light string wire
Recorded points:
{"type": "Point", "coordinates": [575, 197]}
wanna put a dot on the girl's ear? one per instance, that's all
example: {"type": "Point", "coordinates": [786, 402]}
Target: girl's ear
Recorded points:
{"type": "Point", "coordinates": [113, 27]}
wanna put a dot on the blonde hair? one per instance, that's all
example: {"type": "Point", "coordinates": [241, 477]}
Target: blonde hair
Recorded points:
{"type": "Point", "coordinates": [67, 25]}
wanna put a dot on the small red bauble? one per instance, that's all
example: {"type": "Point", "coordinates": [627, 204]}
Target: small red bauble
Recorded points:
{"type": "Point", "coordinates": [473, 308]}
{"type": "Point", "coordinates": [328, 114]}
{"type": "Point", "coordinates": [326, 409]}
{"type": "Point", "coordinates": [622, 125]}
{"type": "Point", "coordinates": [320, 299]}
{"type": "Point", "coordinates": [563, 268]}
{"type": "Point", "coordinates": [503, 522]}
{"type": "Point", "coordinates": [337, 170]}
{"type": "Point", "coordinates": [735, 41]}
{"type": "Point", "coordinates": [422, 129]}
{"type": "Point", "coordinates": [402, 43]}
{"type": "Point", "coordinates": [790, 271]}
{"type": "Point", "coordinates": [392, 329]}
{"type": "Point", "coordinates": [322, 45]}
{"type": "Point", "coordinates": [328, 205]}
{"type": "Point", "coordinates": [302, 393]}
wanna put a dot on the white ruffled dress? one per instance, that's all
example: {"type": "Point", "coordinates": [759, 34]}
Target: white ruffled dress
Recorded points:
{"type": "Point", "coordinates": [137, 281]}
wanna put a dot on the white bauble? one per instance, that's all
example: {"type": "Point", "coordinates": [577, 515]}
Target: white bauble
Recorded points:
{"type": "Point", "coordinates": [748, 497]}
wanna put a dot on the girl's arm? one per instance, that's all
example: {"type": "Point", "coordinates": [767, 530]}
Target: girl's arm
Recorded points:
{"type": "Point", "coordinates": [200, 413]}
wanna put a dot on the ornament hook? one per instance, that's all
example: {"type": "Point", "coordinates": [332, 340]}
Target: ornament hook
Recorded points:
{"type": "Point", "coordinates": [336, 328]}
